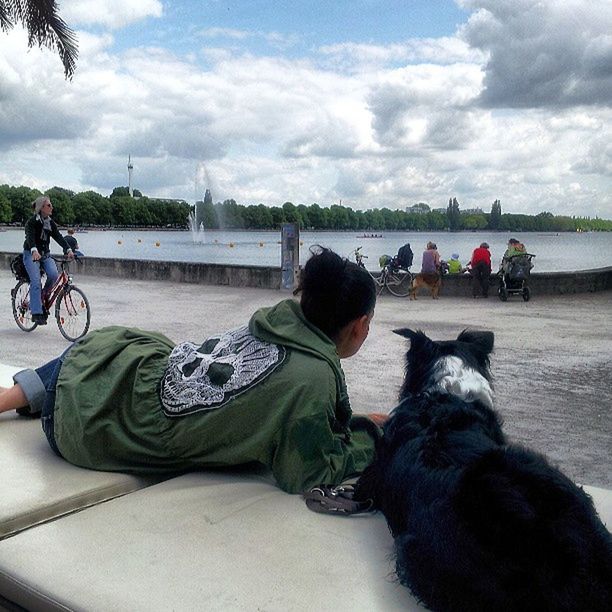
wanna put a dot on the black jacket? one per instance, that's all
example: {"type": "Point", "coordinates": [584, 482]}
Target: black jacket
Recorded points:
{"type": "Point", "coordinates": [37, 236]}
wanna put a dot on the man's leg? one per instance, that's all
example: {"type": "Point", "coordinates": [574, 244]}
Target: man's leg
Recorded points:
{"type": "Point", "coordinates": [477, 282]}
{"type": "Point", "coordinates": [12, 398]}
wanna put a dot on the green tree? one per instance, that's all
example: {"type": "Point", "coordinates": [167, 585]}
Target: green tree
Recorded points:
{"type": "Point", "coordinates": [474, 222]}
{"type": "Point", "coordinates": [6, 211]}
{"type": "Point", "coordinates": [291, 213]}
{"type": "Point", "coordinates": [316, 217]}
{"type": "Point", "coordinates": [496, 215]}
{"type": "Point", "coordinates": [85, 211]}
{"type": "Point", "coordinates": [207, 215]}
{"type": "Point", "coordinates": [453, 215]}
{"type": "Point", "coordinates": [231, 215]}
{"type": "Point", "coordinates": [120, 192]}
{"type": "Point", "coordinates": [278, 216]}
{"type": "Point", "coordinates": [21, 199]}
{"type": "Point", "coordinates": [304, 217]}
{"type": "Point", "coordinates": [143, 211]}
{"type": "Point", "coordinates": [63, 211]}
{"type": "Point", "coordinates": [123, 210]}
{"type": "Point", "coordinates": [436, 220]}
{"type": "Point", "coordinates": [339, 219]}
{"type": "Point", "coordinates": [105, 211]}
{"type": "Point", "coordinates": [45, 28]}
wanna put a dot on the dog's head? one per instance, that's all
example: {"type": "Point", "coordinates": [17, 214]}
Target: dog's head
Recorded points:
{"type": "Point", "coordinates": [458, 367]}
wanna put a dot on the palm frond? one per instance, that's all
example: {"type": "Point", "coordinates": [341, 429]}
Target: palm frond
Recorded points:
{"type": "Point", "coordinates": [45, 28]}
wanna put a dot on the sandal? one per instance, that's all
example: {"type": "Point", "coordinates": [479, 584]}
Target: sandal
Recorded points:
{"type": "Point", "coordinates": [338, 499]}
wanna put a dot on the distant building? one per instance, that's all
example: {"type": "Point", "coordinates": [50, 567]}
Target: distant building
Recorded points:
{"type": "Point", "coordinates": [170, 200]}
{"type": "Point", "coordinates": [472, 211]}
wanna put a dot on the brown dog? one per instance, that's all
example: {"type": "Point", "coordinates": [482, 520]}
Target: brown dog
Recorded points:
{"type": "Point", "coordinates": [431, 281]}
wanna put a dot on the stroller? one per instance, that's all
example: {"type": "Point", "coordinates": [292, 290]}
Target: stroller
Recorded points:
{"type": "Point", "coordinates": [514, 276]}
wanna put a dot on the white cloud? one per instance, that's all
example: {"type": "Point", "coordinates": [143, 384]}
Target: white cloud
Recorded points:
{"type": "Point", "coordinates": [224, 33]}
{"type": "Point", "coordinates": [360, 56]}
{"type": "Point", "coordinates": [113, 14]}
{"type": "Point", "coordinates": [403, 124]}
{"type": "Point", "coordinates": [276, 40]}
{"type": "Point", "coordinates": [543, 54]}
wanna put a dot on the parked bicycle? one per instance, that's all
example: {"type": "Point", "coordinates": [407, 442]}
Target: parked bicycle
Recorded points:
{"type": "Point", "coordinates": [393, 277]}
{"type": "Point", "coordinates": [72, 311]}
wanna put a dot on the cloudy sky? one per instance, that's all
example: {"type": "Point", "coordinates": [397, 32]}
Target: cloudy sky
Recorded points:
{"type": "Point", "coordinates": [365, 102]}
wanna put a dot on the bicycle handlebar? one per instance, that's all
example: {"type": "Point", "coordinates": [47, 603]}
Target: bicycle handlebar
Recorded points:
{"type": "Point", "coordinates": [64, 259]}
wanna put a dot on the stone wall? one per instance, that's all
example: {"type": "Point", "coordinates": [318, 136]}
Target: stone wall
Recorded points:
{"type": "Point", "coordinates": [540, 283]}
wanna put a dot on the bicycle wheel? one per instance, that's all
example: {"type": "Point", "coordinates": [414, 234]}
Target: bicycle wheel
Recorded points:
{"type": "Point", "coordinates": [399, 283]}
{"type": "Point", "coordinates": [20, 300]}
{"type": "Point", "coordinates": [380, 282]}
{"type": "Point", "coordinates": [72, 313]}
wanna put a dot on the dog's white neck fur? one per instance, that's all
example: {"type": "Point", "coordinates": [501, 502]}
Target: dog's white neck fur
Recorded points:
{"type": "Point", "coordinates": [451, 375]}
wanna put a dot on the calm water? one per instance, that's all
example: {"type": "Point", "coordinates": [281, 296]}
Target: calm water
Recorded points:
{"type": "Point", "coordinates": [554, 252]}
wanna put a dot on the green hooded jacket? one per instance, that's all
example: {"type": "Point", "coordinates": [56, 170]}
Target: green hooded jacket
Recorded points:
{"type": "Point", "coordinates": [130, 401]}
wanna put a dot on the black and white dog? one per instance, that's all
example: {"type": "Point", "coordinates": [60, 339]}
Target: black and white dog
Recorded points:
{"type": "Point", "coordinates": [479, 524]}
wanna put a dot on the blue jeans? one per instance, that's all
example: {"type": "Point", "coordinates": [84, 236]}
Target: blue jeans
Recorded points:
{"type": "Point", "coordinates": [39, 388]}
{"type": "Point", "coordinates": [34, 273]}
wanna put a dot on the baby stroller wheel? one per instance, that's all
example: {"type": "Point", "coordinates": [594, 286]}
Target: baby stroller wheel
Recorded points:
{"type": "Point", "coordinates": [503, 294]}
{"type": "Point", "coordinates": [526, 294]}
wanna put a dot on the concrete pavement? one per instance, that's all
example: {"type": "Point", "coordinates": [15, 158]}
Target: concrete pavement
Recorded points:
{"type": "Point", "coordinates": [551, 365]}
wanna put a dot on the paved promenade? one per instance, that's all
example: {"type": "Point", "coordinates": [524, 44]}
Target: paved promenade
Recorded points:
{"type": "Point", "coordinates": [551, 365]}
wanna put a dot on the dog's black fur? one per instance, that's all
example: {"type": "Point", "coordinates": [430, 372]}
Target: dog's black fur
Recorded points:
{"type": "Point", "coordinates": [480, 524]}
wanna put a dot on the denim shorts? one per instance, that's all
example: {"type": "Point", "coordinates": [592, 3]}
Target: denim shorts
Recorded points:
{"type": "Point", "coordinates": [39, 388]}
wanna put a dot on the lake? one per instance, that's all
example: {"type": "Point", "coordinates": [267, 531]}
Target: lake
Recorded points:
{"type": "Point", "coordinates": [554, 252]}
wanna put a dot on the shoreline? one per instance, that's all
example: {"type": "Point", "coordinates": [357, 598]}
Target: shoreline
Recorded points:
{"type": "Point", "coordinates": [151, 228]}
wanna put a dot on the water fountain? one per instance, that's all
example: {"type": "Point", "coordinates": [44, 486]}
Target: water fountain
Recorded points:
{"type": "Point", "coordinates": [198, 235]}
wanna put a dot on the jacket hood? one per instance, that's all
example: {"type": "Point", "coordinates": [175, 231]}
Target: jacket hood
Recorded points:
{"type": "Point", "coordinates": [286, 324]}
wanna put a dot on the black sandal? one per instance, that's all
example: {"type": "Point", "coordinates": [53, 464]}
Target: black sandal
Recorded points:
{"type": "Point", "coordinates": [338, 499]}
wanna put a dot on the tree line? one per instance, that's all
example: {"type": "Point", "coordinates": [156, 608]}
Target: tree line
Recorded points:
{"type": "Point", "coordinates": [229, 214]}
{"type": "Point", "coordinates": [89, 208]}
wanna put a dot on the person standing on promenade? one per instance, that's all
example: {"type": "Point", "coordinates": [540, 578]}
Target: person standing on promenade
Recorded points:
{"type": "Point", "coordinates": [480, 267]}
{"type": "Point", "coordinates": [431, 260]}
{"type": "Point", "coordinates": [272, 392]}
{"type": "Point", "coordinates": [39, 229]}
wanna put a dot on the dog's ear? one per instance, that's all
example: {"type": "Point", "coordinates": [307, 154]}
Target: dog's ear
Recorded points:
{"type": "Point", "coordinates": [481, 340]}
{"type": "Point", "coordinates": [418, 340]}
{"type": "Point", "coordinates": [405, 332]}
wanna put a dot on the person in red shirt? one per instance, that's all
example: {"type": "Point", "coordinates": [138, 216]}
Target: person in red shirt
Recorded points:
{"type": "Point", "coordinates": [480, 267]}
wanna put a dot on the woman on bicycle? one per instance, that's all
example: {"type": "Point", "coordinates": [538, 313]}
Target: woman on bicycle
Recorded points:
{"type": "Point", "coordinates": [272, 392]}
{"type": "Point", "coordinates": [39, 229]}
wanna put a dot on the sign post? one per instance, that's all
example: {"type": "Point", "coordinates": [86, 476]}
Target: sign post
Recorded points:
{"type": "Point", "coordinates": [290, 255]}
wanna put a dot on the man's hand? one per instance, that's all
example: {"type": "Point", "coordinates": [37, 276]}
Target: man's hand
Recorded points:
{"type": "Point", "coordinates": [35, 255]}
{"type": "Point", "coordinates": [70, 255]}
{"type": "Point", "coordinates": [378, 418]}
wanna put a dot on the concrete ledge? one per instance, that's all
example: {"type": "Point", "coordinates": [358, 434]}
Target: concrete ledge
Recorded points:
{"type": "Point", "coordinates": [541, 283]}
{"type": "Point", "coordinates": [204, 541]}
{"type": "Point", "coordinates": [37, 486]}
{"type": "Point", "coordinates": [177, 271]}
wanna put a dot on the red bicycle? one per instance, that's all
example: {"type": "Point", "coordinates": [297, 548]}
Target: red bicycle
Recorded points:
{"type": "Point", "coordinates": [72, 311]}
